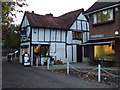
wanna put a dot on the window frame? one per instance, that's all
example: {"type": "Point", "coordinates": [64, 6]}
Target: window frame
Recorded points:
{"type": "Point", "coordinates": [75, 37]}
{"type": "Point", "coordinates": [103, 22]}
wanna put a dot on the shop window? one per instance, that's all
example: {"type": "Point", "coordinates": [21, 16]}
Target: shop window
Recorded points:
{"type": "Point", "coordinates": [44, 50]}
{"type": "Point", "coordinates": [103, 16]}
{"type": "Point", "coordinates": [36, 49]}
{"type": "Point", "coordinates": [76, 35]}
{"type": "Point", "coordinates": [24, 50]}
{"type": "Point", "coordinates": [104, 52]}
{"type": "Point", "coordinates": [41, 50]}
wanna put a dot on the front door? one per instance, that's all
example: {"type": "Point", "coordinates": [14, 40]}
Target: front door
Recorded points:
{"type": "Point", "coordinates": [79, 53]}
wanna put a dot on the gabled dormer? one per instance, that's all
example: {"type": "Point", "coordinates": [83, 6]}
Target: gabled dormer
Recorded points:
{"type": "Point", "coordinates": [25, 29]}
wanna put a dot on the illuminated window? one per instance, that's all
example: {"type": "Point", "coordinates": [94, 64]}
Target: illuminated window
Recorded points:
{"type": "Point", "coordinates": [36, 49]}
{"type": "Point", "coordinates": [104, 52]}
{"type": "Point", "coordinates": [103, 16]}
{"type": "Point", "coordinates": [24, 50]}
{"type": "Point", "coordinates": [76, 35]}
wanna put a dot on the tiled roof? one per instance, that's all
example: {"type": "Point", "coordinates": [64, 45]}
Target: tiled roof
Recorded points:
{"type": "Point", "coordinates": [61, 22]}
{"type": "Point", "coordinates": [100, 5]}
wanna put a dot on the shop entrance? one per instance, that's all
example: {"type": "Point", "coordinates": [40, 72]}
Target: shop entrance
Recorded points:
{"type": "Point", "coordinates": [40, 51]}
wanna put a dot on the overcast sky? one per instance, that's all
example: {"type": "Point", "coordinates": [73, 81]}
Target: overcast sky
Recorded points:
{"type": "Point", "coordinates": [56, 7]}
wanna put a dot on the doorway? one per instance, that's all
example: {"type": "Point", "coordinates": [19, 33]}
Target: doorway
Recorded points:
{"type": "Point", "coordinates": [79, 53]}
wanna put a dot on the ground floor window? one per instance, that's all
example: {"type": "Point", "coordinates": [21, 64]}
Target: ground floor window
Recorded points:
{"type": "Point", "coordinates": [42, 50]}
{"type": "Point", "coordinates": [24, 50]}
{"type": "Point", "coordinates": [105, 52]}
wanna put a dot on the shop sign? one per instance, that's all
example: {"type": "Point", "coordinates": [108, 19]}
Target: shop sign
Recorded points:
{"type": "Point", "coordinates": [23, 33]}
{"type": "Point", "coordinates": [97, 36]}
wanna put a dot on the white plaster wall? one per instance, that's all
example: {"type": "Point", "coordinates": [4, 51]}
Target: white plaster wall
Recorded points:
{"type": "Point", "coordinates": [53, 34]}
{"type": "Point", "coordinates": [41, 34]}
{"type": "Point", "coordinates": [28, 31]}
{"type": "Point", "coordinates": [47, 34]}
{"type": "Point", "coordinates": [31, 56]}
{"type": "Point", "coordinates": [82, 17]}
{"type": "Point", "coordinates": [52, 49]}
{"type": "Point", "coordinates": [74, 53]}
{"type": "Point", "coordinates": [69, 37]}
{"type": "Point", "coordinates": [58, 35]}
{"type": "Point", "coordinates": [60, 51]}
{"type": "Point", "coordinates": [46, 43]}
{"type": "Point", "coordinates": [84, 25]}
{"type": "Point", "coordinates": [63, 36]}
{"type": "Point", "coordinates": [25, 22]}
{"type": "Point", "coordinates": [73, 26]}
{"type": "Point", "coordinates": [34, 35]}
{"type": "Point", "coordinates": [69, 53]}
{"type": "Point", "coordinates": [78, 25]}
{"type": "Point", "coordinates": [88, 26]}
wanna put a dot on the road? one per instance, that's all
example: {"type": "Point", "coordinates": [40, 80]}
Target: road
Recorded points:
{"type": "Point", "coordinates": [15, 75]}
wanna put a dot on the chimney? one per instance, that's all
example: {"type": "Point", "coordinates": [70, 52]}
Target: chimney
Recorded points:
{"type": "Point", "coordinates": [32, 11]}
{"type": "Point", "coordinates": [49, 15]}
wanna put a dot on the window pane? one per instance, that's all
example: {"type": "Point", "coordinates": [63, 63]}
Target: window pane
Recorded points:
{"type": "Point", "coordinates": [99, 17]}
{"type": "Point", "coordinates": [104, 16]}
{"type": "Point", "coordinates": [78, 35]}
{"type": "Point", "coordinates": [73, 35]}
{"type": "Point", "coordinates": [110, 14]}
{"type": "Point", "coordinates": [94, 18]}
{"type": "Point", "coordinates": [104, 52]}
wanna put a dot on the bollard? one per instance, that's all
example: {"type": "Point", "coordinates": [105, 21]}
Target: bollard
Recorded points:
{"type": "Point", "coordinates": [48, 64]}
{"type": "Point", "coordinates": [99, 73]}
{"type": "Point", "coordinates": [68, 68]}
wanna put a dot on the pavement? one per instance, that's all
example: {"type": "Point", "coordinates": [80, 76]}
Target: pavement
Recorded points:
{"type": "Point", "coordinates": [15, 75]}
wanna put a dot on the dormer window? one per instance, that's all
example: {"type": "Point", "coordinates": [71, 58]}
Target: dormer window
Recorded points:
{"type": "Point", "coordinates": [103, 16]}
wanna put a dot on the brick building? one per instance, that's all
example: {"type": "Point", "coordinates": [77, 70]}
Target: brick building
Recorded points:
{"type": "Point", "coordinates": [104, 25]}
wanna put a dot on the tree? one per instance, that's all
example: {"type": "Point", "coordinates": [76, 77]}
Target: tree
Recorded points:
{"type": "Point", "coordinates": [9, 31]}
{"type": "Point", "coordinates": [13, 38]}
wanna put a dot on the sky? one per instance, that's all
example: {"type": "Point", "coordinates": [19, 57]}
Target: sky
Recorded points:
{"type": "Point", "coordinates": [56, 7]}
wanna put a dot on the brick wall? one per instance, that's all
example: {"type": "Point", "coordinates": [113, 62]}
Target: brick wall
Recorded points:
{"type": "Point", "coordinates": [107, 29]}
{"type": "Point", "coordinates": [117, 51]}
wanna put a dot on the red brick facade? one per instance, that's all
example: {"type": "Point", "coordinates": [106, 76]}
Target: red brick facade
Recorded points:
{"type": "Point", "coordinates": [107, 29]}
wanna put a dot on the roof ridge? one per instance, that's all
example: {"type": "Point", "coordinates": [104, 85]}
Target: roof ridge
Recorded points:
{"type": "Point", "coordinates": [71, 12]}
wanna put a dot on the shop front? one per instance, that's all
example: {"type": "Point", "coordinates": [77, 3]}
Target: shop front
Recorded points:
{"type": "Point", "coordinates": [106, 53]}
{"type": "Point", "coordinates": [40, 53]}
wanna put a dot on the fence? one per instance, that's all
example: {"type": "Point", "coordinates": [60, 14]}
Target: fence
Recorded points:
{"type": "Point", "coordinates": [99, 71]}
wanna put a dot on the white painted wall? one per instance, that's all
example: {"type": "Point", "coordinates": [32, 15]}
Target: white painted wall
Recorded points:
{"type": "Point", "coordinates": [34, 34]}
{"type": "Point", "coordinates": [53, 34]}
{"type": "Point", "coordinates": [60, 51]}
{"type": "Point", "coordinates": [41, 34]}
{"type": "Point", "coordinates": [58, 35]}
{"type": "Point", "coordinates": [74, 53]}
{"type": "Point", "coordinates": [25, 22]}
{"type": "Point", "coordinates": [31, 55]}
{"type": "Point", "coordinates": [69, 53]}
{"type": "Point", "coordinates": [63, 35]}
{"type": "Point", "coordinates": [47, 34]}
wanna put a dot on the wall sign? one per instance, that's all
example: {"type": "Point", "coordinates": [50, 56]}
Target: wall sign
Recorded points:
{"type": "Point", "coordinates": [97, 36]}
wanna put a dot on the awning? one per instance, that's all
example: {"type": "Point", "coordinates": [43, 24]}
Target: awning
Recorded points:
{"type": "Point", "coordinates": [99, 42]}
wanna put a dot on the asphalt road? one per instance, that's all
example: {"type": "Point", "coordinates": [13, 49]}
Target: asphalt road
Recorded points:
{"type": "Point", "coordinates": [15, 75]}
